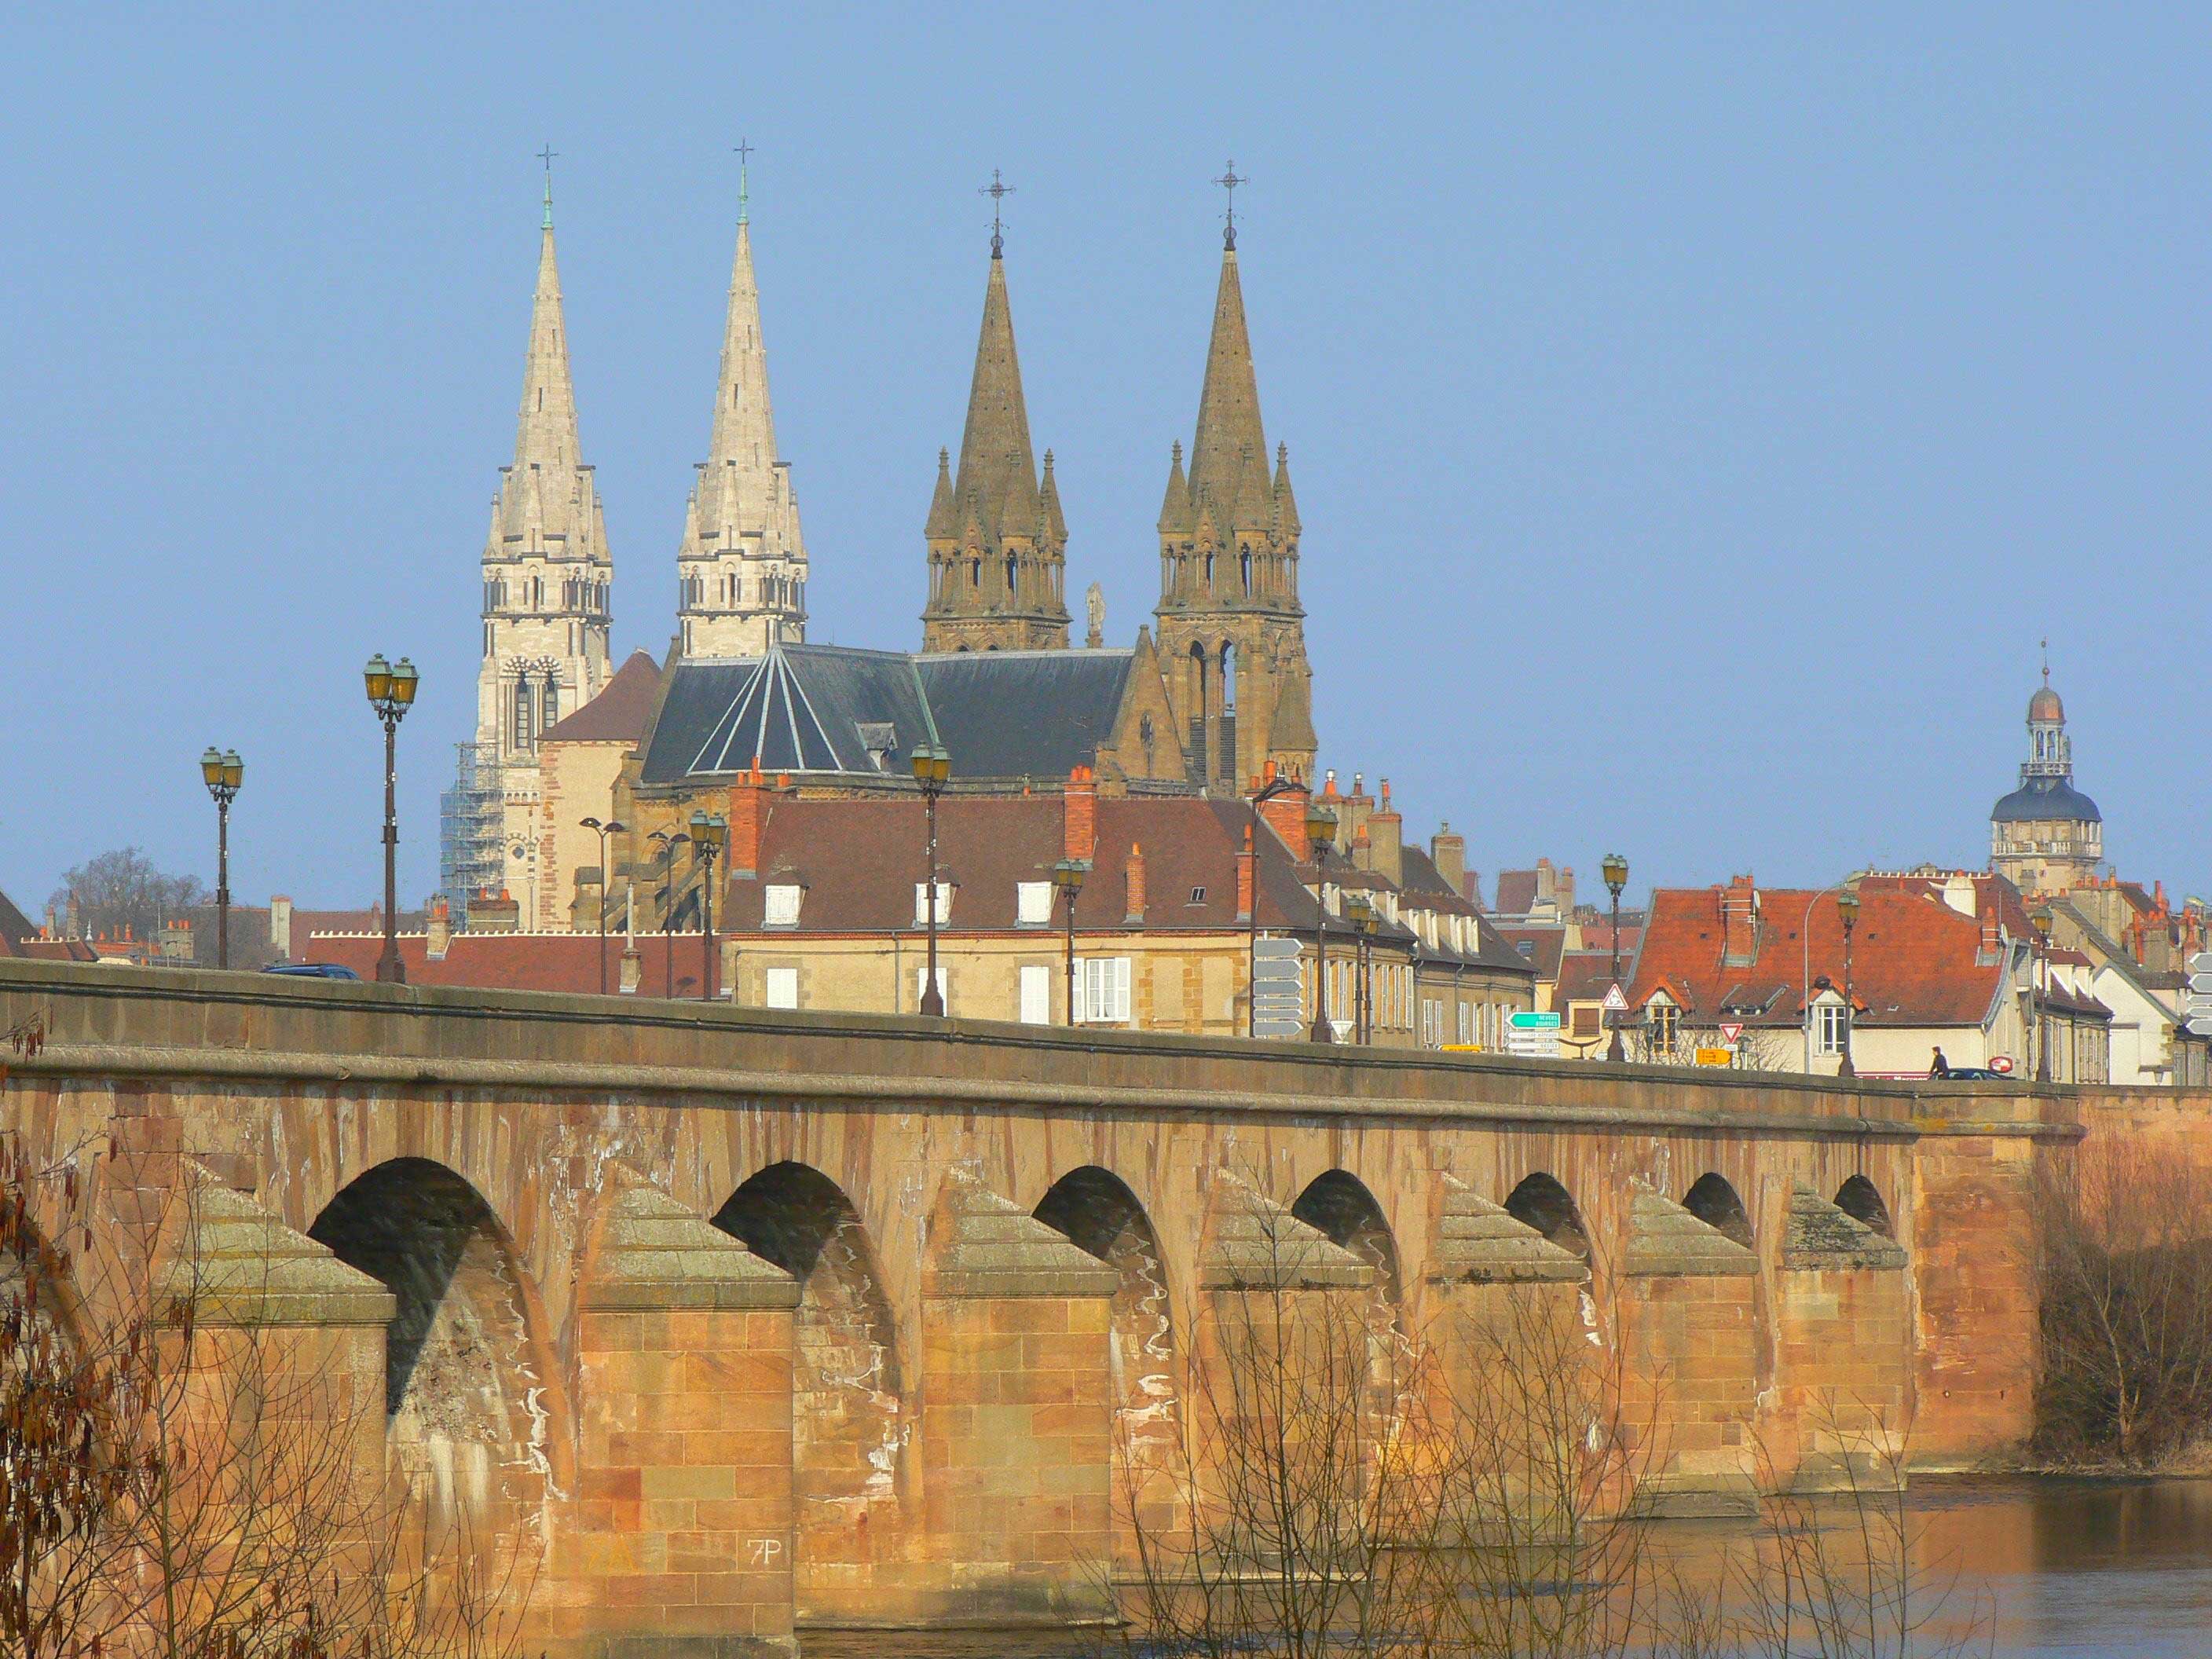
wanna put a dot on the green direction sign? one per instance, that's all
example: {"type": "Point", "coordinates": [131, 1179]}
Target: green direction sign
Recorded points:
{"type": "Point", "coordinates": [1533, 1022]}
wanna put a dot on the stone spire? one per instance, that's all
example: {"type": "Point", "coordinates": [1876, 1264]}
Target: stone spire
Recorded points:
{"type": "Point", "coordinates": [1231, 629]}
{"type": "Point", "coordinates": [548, 588]}
{"type": "Point", "coordinates": [1229, 444]}
{"type": "Point", "coordinates": [741, 565]}
{"type": "Point", "coordinates": [997, 547]}
{"type": "Point", "coordinates": [547, 572]}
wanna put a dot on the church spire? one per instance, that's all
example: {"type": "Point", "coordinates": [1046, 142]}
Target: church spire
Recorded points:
{"type": "Point", "coordinates": [1229, 439]}
{"type": "Point", "coordinates": [545, 431]}
{"type": "Point", "coordinates": [741, 564]}
{"type": "Point", "coordinates": [1010, 529]}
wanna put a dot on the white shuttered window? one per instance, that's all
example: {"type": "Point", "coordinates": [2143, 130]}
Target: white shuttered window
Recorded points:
{"type": "Point", "coordinates": [1103, 984]}
{"type": "Point", "coordinates": [1036, 995]}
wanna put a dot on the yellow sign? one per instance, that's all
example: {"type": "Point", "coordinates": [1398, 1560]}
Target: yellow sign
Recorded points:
{"type": "Point", "coordinates": [1716, 1056]}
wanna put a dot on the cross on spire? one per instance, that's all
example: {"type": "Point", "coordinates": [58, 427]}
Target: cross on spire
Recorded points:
{"type": "Point", "coordinates": [744, 151]}
{"type": "Point", "coordinates": [998, 190]}
{"type": "Point", "coordinates": [1229, 182]}
{"type": "Point", "coordinates": [546, 155]}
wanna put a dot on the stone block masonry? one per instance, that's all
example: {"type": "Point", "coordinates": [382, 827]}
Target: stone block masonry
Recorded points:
{"type": "Point", "coordinates": [760, 1323]}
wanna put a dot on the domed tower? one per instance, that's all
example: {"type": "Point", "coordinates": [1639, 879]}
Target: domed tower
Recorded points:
{"type": "Point", "coordinates": [2046, 836]}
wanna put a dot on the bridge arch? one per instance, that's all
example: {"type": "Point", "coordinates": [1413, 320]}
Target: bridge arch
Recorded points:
{"type": "Point", "coordinates": [1715, 1203]}
{"type": "Point", "coordinates": [1098, 1212]}
{"type": "Point", "coordinates": [1338, 1203]}
{"type": "Point", "coordinates": [1861, 1199]}
{"type": "Point", "coordinates": [1542, 1202]}
{"type": "Point", "coordinates": [470, 1394]}
{"type": "Point", "coordinates": [848, 1416]}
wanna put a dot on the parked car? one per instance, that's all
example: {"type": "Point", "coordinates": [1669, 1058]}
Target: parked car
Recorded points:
{"type": "Point", "coordinates": [311, 970]}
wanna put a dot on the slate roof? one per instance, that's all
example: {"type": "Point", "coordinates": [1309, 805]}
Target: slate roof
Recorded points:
{"type": "Point", "coordinates": [14, 925]}
{"type": "Point", "coordinates": [1584, 976]}
{"type": "Point", "coordinates": [619, 713]}
{"type": "Point", "coordinates": [2045, 798]}
{"type": "Point", "coordinates": [1545, 946]}
{"type": "Point", "coordinates": [816, 709]}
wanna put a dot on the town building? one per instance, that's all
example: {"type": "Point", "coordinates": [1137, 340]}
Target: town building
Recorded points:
{"type": "Point", "coordinates": [2046, 836]}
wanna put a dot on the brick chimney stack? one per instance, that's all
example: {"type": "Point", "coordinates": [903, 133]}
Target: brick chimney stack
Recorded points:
{"type": "Point", "coordinates": [1739, 922]}
{"type": "Point", "coordinates": [1079, 816]}
{"type": "Point", "coordinates": [748, 814]}
{"type": "Point", "coordinates": [1285, 814]}
{"type": "Point", "coordinates": [438, 930]}
{"type": "Point", "coordinates": [1135, 876]}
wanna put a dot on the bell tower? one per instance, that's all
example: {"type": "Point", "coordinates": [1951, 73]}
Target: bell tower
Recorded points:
{"type": "Point", "coordinates": [1231, 630]}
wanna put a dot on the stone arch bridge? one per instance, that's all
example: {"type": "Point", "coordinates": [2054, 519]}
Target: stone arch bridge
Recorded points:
{"type": "Point", "coordinates": [763, 1323]}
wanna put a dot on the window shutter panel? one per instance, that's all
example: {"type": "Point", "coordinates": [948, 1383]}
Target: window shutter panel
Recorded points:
{"type": "Point", "coordinates": [1121, 990]}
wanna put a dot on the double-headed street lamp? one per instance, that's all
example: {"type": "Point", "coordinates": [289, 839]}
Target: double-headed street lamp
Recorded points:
{"type": "Point", "coordinates": [933, 768]}
{"type": "Point", "coordinates": [611, 827]}
{"type": "Point", "coordinates": [1367, 923]}
{"type": "Point", "coordinates": [1615, 869]}
{"type": "Point", "coordinates": [710, 833]}
{"type": "Point", "coordinates": [1067, 876]}
{"type": "Point", "coordinates": [222, 771]}
{"type": "Point", "coordinates": [1847, 910]}
{"type": "Point", "coordinates": [1321, 835]}
{"type": "Point", "coordinates": [391, 688]}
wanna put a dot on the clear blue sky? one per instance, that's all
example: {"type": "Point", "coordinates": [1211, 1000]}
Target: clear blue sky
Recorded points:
{"type": "Point", "coordinates": [1698, 414]}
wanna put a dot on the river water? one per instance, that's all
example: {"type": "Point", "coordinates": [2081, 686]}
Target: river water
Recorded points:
{"type": "Point", "coordinates": [2037, 1568]}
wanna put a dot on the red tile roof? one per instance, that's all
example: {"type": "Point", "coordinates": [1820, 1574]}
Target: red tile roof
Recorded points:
{"type": "Point", "coordinates": [522, 961]}
{"type": "Point", "coordinates": [1584, 976]}
{"type": "Point", "coordinates": [1916, 961]}
{"type": "Point", "coordinates": [619, 713]}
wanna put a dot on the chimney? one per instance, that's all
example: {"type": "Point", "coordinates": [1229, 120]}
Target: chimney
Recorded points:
{"type": "Point", "coordinates": [1387, 829]}
{"type": "Point", "coordinates": [438, 930]}
{"type": "Point", "coordinates": [1079, 816]}
{"type": "Point", "coordinates": [1548, 887]}
{"type": "Point", "coordinates": [1363, 849]}
{"type": "Point", "coordinates": [1285, 814]}
{"type": "Point", "coordinates": [1135, 876]}
{"type": "Point", "coordinates": [1246, 871]}
{"type": "Point", "coordinates": [1739, 922]}
{"type": "Point", "coordinates": [1992, 944]}
{"type": "Point", "coordinates": [748, 810]}
{"type": "Point", "coordinates": [1448, 852]}
{"type": "Point", "coordinates": [1564, 885]}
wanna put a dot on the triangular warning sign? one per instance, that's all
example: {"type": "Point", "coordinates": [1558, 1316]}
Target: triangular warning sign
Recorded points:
{"type": "Point", "coordinates": [1615, 1003]}
{"type": "Point", "coordinates": [1731, 1029]}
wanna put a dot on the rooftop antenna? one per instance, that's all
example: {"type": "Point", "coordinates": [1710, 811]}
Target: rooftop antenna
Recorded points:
{"type": "Point", "coordinates": [1229, 182]}
{"type": "Point", "coordinates": [998, 190]}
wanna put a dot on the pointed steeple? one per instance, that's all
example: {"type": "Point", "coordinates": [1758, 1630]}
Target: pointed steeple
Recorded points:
{"type": "Point", "coordinates": [942, 524]}
{"type": "Point", "coordinates": [742, 559]}
{"type": "Point", "coordinates": [996, 440]}
{"type": "Point", "coordinates": [545, 430]}
{"type": "Point", "coordinates": [1228, 429]}
{"type": "Point", "coordinates": [1175, 507]}
{"type": "Point", "coordinates": [1256, 505]}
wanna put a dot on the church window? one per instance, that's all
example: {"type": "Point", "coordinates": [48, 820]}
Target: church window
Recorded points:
{"type": "Point", "coordinates": [1145, 739]}
{"type": "Point", "coordinates": [1246, 560]}
{"type": "Point", "coordinates": [975, 572]}
{"type": "Point", "coordinates": [520, 727]}
{"type": "Point", "coordinates": [1209, 567]}
{"type": "Point", "coordinates": [1010, 573]}
{"type": "Point", "coordinates": [1228, 677]}
{"type": "Point", "coordinates": [552, 701]}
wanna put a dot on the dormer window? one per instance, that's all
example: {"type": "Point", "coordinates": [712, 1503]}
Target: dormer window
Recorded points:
{"type": "Point", "coordinates": [1198, 896]}
{"type": "Point", "coordinates": [921, 903]}
{"type": "Point", "coordinates": [1033, 903]}
{"type": "Point", "coordinates": [781, 908]}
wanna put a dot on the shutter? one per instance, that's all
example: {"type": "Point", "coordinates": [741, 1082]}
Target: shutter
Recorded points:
{"type": "Point", "coordinates": [1036, 996]}
{"type": "Point", "coordinates": [1121, 1014]}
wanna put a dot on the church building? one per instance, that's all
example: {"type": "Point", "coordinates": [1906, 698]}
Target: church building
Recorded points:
{"type": "Point", "coordinates": [2047, 837]}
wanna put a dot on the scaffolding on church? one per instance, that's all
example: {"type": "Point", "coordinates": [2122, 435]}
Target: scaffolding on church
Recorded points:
{"type": "Point", "coordinates": [470, 829]}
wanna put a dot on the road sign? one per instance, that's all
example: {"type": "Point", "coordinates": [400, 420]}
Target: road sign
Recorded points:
{"type": "Point", "coordinates": [1524, 1021]}
{"type": "Point", "coordinates": [2199, 1024]}
{"type": "Point", "coordinates": [1615, 1003]}
{"type": "Point", "coordinates": [2200, 985]}
{"type": "Point", "coordinates": [2001, 1063]}
{"type": "Point", "coordinates": [1268, 1026]}
{"type": "Point", "coordinates": [1730, 1030]}
{"type": "Point", "coordinates": [1276, 950]}
{"type": "Point", "coordinates": [1716, 1056]}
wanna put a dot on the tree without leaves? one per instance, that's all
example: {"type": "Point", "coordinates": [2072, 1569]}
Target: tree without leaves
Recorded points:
{"type": "Point", "coordinates": [122, 889]}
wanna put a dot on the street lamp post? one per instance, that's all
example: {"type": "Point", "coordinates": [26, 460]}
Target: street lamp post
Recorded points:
{"type": "Point", "coordinates": [1847, 908]}
{"type": "Point", "coordinates": [2039, 972]}
{"type": "Point", "coordinates": [222, 772]}
{"type": "Point", "coordinates": [1367, 923]}
{"type": "Point", "coordinates": [1321, 833]}
{"type": "Point", "coordinates": [1068, 875]}
{"type": "Point", "coordinates": [1282, 785]}
{"type": "Point", "coordinates": [391, 688]}
{"type": "Point", "coordinates": [612, 827]}
{"type": "Point", "coordinates": [933, 767]}
{"type": "Point", "coordinates": [710, 832]}
{"type": "Point", "coordinates": [668, 845]}
{"type": "Point", "coordinates": [1615, 869]}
